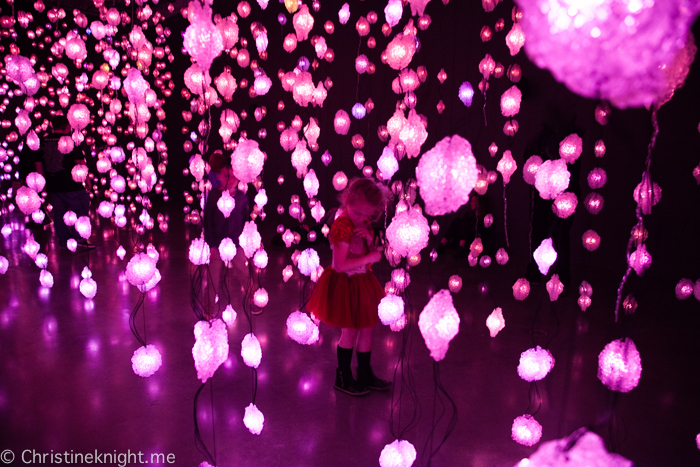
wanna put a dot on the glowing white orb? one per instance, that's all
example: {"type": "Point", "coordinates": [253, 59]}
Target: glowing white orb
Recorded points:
{"type": "Point", "coordinates": [545, 255]}
{"type": "Point", "coordinates": [526, 430]}
{"type": "Point", "coordinates": [390, 309]}
{"type": "Point", "coordinates": [552, 179]}
{"type": "Point", "coordinates": [251, 350]}
{"type": "Point", "coordinates": [521, 289]}
{"type": "Point", "coordinates": [146, 360]}
{"type": "Point", "coordinates": [439, 324]}
{"type": "Point", "coordinates": [199, 252]}
{"type": "Point", "coordinates": [399, 453]}
{"type": "Point", "coordinates": [495, 322]}
{"type": "Point", "coordinates": [620, 366]}
{"type": "Point", "coordinates": [408, 233]}
{"type": "Point", "coordinates": [253, 418]}
{"type": "Point", "coordinates": [308, 261]}
{"type": "Point", "coordinates": [301, 328]}
{"type": "Point", "coordinates": [210, 348]}
{"type": "Point", "coordinates": [535, 364]}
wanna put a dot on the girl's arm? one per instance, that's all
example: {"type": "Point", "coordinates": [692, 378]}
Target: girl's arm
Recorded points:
{"type": "Point", "coordinates": [341, 262]}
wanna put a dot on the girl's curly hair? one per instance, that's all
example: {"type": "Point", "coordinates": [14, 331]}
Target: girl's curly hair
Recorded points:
{"type": "Point", "coordinates": [375, 194]}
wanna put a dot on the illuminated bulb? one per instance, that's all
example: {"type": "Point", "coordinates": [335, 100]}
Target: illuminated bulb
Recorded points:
{"type": "Point", "coordinates": [146, 360]}
{"type": "Point", "coordinates": [599, 148]}
{"type": "Point", "coordinates": [521, 289]}
{"type": "Point", "coordinates": [439, 323]}
{"type": "Point", "coordinates": [584, 301]}
{"type": "Point", "coordinates": [45, 279]}
{"type": "Point", "coordinates": [390, 309]}
{"type": "Point", "coordinates": [565, 205]}
{"type": "Point", "coordinates": [510, 101]}
{"type": "Point", "coordinates": [260, 259]}
{"type": "Point", "coordinates": [647, 194]}
{"type": "Point", "coordinates": [400, 279]}
{"type": "Point", "coordinates": [684, 289]}
{"type": "Point", "coordinates": [341, 122]}
{"type": "Point", "coordinates": [4, 264]}
{"type": "Point", "coordinates": [408, 232]}
{"type": "Point", "coordinates": [545, 256]}
{"type": "Point", "coordinates": [530, 169]}
{"type": "Point", "coordinates": [301, 329]}
{"type": "Point", "coordinates": [251, 351]}
{"type": "Point", "coordinates": [502, 256]}
{"type": "Point", "coordinates": [554, 288]}
{"type": "Point", "coordinates": [83, 227]}
{"type": "Point", "coordinates": [591, 240]}
{"type": "Point", "coordinates": [454, 283]}
{"type": "Point", "coordinates": [466, 93]}
{"type": "Point", "coordinates": [515, 39]}
{"type": "Point", "coordinates": [88, 287]}
{"type": "Point", "coordinates": [495, 322]}
{"type": "Point", "coordinates": [250, 240]}
{"type": "Point", "coordinates": [308, 261]}
{"type": "Point", "coordinates": [72, 244]}
{"type": "Point", "coordinates": [552, 178]}
{"type": "Point", "coordinates": [226, 203]}
{"type": "Point", "coordinates": [399, 453]}
{"type": "Point", "coordinates": [640, 259]}
{"type": "Point", "coordinates": [253, 418]}
{"type": "Point", "coordinates": [507, 166]}
{"type": "Point", "coordinates": [260, 298]}
{"type": "Point", "coordinates": [287, 273]}
{"type": "Point", "coordinates": [570, 148]}
{"type": "Point", "coordinates": [211, 347]}
{"type": "Point", "coordinates": [620, 365]}
{"type": "Point", "coordinates": [535, 364]}
{"type": "Point", "coordinates": [526, 430]}
{"type": "Point", "coordinates": [594, 202]}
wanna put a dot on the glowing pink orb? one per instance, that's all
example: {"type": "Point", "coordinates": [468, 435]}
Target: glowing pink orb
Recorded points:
{"type": "Point", "coordinates": [526, 430]}
{"type": "Point", "coordinates": [301, 329]}
{"type": "Point", "coordinates": [210, 348]}
{"type": "Point", "coordinates": [545, 255]}
{"type": "Point", "coordinates": [510, 101]}
{"type": "Point", "coordinates": [27, 200]}
{"type": "Point", "coordinates": [308, 261]}
{"type": "Point", "coordinates": [390, 309]}
{"type": "Point", "coordinates": [535, 364]}
{"type": "Point", "coordinates": [78, 116]}
{"type": "Point", "coordinates": [515, 39]}
{"type": "Point", "coordinates": [554, 287]}
{"type": "Point", "coordinates": [247, 160]}
{"type": "Point", "coordinates": [408, 233]}
{"type": "Point", "coordinates": [399, 52]}
{"type": "Point", "coordinates": [146, 360]}
{"type": "Point", "coordinates": [341, 122]}
{"type": "Point", "coordinates": [387, 163]}
{"type": "Point", "coordinates": [640, 259]}
{"type": "Point", "coordinates": [250, 240]}
{"type": "Point", "coordinates": [140, 269]}
{"type": "Point", "coordinates": [261, 297]}
{"type": "Point", "coordinates": [507, 166]}
{"type": "Point", "coordinates": [413, 134]}
{"type": "Point", "coordinates": [227, 249]}
{"type": "Point", "coordinates": [591, 240]}
{"type": "Point", "coordinates": [400, 279]}
{"type": "Point", "coordinates": [83, 226]}
{"type": "Point", "coordinates": [446, 175]}
{"type": "Point", "coordinates": [620, 366]}
{"type": "Point", "coordinates": [502, 256]}
{"type": "Point", "coordinates": [495, 322]}
{"type": "Point", "coordinates": [684, 289]}
{"type": "Point", "coordinates": [226, 204]}
{"type": "Point", "coordinates": [647, 194]}
{"type": "Point", "coordinates": [251, 350]}
{"type": "Point", "coordinates": [253, 418]}
{"type": "Point", "coordinates": [4, 264]}
{"type": "Point", "coordinates": [45, 278]}
{"type": "Point", "coordinates": [229, 315]}
{"type": "Point", "coordinates": [311, 184]}
{"type": "Point", "coordinates": [35, 181]}
{"type": "Point", "coordinates": [439, 324]}
{"type": "Point", "coordinates": [597, 178]}
{"type": "Point", "coordinates": [584, 301]}
{"type": "Point", "coordinates": [399, 453]}
{"type": "Point", "coordinates": [202, 40]}
{"type": "Point", "coordinates": [199, 252]}
{"type": "Point", "coordinates": [454, 283]}
{"type": "Point", "coordinates": [594, 202]}
{"type": "Point", "coordinates": [521, 289]}
{"type": "Point", "coordinates": [88, 287]}
{"type": "Point", "coordinates": [552, 179]}
{"type": "Point", "coordinates": [587, 450]}
{"type": "Point", "coordinates": [565, 205]}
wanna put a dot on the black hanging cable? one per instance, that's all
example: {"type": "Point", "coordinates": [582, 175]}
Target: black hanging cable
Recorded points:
{"type": "Point", "coordinates": [198, 441]}
{"type": "Point", "coordinates": [132, 321]}
{"type": "Point", "coordinates": [440, 392]}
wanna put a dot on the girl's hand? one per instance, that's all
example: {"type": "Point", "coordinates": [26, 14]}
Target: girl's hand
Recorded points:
{"type": "Point", "coordinates": [364, 233]}
{"type": "Point", "coordinates": [373, 257]}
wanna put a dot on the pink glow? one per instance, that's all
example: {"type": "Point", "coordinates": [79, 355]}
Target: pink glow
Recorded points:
{"type": "Point", "coordinates": [495, 322]}
{"type": "Point", "coordinates": [439, 324]}
{"type": "Point", "coordinates": [146, 360]}
{"type": "Point", "coordinates": [510, 101]}
{"type": "Point", "coordinates": [554, 288]}
{"type": "Point", "coordinates": [588, 450]}
{"type": "Point", "coordinates": [684, 289]}
{"type": "Point", "coordinates": [227, 249]}
{"type": "Point", "coordinates": [620, 366]}
{"type": "Point", "coordinates": [254, 419]}
{"type": "Point", "coordinates": [640, 259]}
{"type": "Point", "coordinates": [521, 289]}
{"type": "Point", "coordinates": [408, 232]}
{"type": "Point", "coordinates": [390, 309]}
{"type": "Point", "coordinates": [526, 430]}
{"type": "Point", "coordinates": [301, 329]}
{"type": "Point", "coordinates": [210, 349]}
{"type": "Point", "coordinates": [591, 240]}
{"type": "Point", "coordinates": [341, 122]}
{"type": "Point", "coordinates": [565, 205]}
{"type": "Point", "coordinates": [552, 178]}
{"type": "Point", "coordinates": [399, 453]}
{"type": "Point", "coordinates": [250, 240]}
{"type": "Point", "coordinates": [199, 252]}
{"type": "Point", "coordinates": [251, 350]}
{"type": "Point", "coordinates": [535, 364]}
{"type": "Point", "coordinates": [584, 301]}
{"type": "Point", "coordinates": [308, 261]}
{"type": "Point", "coordinates": [247, 160]}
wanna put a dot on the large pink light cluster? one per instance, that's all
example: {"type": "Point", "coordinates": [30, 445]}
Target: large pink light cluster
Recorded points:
{"type": "Point", "coordinates": [620, 365]}
{"type": "Point", "coordinates": [585, 451]}
{"type": "Point", "coordinates": [439, 324]}
{"type": "Point", "coordinates": [446, 175]}
{"type": "Point", "coordinates": [535, 364]}
{"type": "Point", "coordinates": [408, 232]}
{"type": "Point", "coordinates": [552, 178]}
{"type": "Point", "coordinates": [210, 347]}
{"type": "Point", "coordinates": [203, 40]}
{"type": "Point", "coordinates": [613, 50]}
{"type": "Point", "coordinates": [247, 160]}
{"type": "Point", "coordinates": [140, 269]}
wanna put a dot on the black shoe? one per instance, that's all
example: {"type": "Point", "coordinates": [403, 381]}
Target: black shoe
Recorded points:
{"type": "Point", "coordinates": [367, 379]}
{"type": "Point", "coordinates": [346, 383]}
{"type": "Point", "coordinates": [86, 245]}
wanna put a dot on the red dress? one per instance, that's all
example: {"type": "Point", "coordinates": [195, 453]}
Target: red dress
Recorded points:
{"type": "Point", "coordinates": [347, 300]}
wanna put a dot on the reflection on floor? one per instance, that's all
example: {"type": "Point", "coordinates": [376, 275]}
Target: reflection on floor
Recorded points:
{"type": "Point", "coordinates": [67, 382]}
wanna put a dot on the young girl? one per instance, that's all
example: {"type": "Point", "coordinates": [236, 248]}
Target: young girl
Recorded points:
{"type": "Point", "coordinates": [347, 293]}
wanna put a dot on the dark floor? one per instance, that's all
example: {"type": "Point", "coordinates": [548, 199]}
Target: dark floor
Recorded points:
{"type": "Point", "coordinates": [66, 381]}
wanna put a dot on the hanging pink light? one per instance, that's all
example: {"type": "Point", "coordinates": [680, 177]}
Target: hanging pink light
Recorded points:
{"type": "Point", "coordinates": [4, 264]}
{"type": "Point", "coordinates": [199, 252]}
{"type": "Point", "coordinates": [250, 239]}
{"type": "Point", "coordinates": [251, 350]}
{"type": "Point", "coordinates": [530, 169]}
{"type": "Point", "coordinates": [45, 279]}
{"type": "Point", "coordinates": [308, 262]}
{"type": "Point", "coordinates": [597, 178]}
{"type": "Point", "coordinates": [446, 175]}
{"type": "Point", "coordinates": [584, 301]}
{"type": "Point", "coordinates": [28, 201]}
{"type": "Point", "coordinates": [552, 178]}
{"type": "Point", "coordinates": [393, 12]}
{"type": "Point", "coordinates": [413, 134]}
{"type": "Point", "coordinates": [575, 451]}
{"type": "Point", "coordinates": [521, 289]}
{"type": "Point", "coordinates": [146, 360]}
{"type": "Point", "coordinates": [301, 329]}
{"type": "Point", "coordinates": [507, 166]}
{"type": "Point", "coordinates": [311, 184]}
{"type": "Point", "coordinates": [202, 40]}
{"type": "Point", "coordinates": [301, 158]}
{"type": "Point", "coordinates": [684, 289]}
{"type": "Point", "coordinates": [387, 163]}
{"type": "Point", "coordinates": [545, 256]}
{"type": "Point", "coordinates": [399, 52]}
{"type": "Point", "coordinates": [570, 148]}
{"type": "Point", "coordinates": [261, 298]}
{"type": "Point", "coordinates": [620, 366]}
{"type": "Point", "coordinates": [591, 240]}
{"type": "Point", "coordinates": [640, 259]}
{"type": "Point", "coordinates": [140, 269]}
{"type": "Point", "coordinates": [510, 101]}
{"type": "Point", "coordinates": [554, 288]}
{"type": "Point", "coordinates": [594, 202]}
{"type": "Point", "coordinates": [398, 453]}
{"type": "Point", "coordinates": [253, 418]}
{"type": "Point", "coordinates": [83, 226]}
{"type": "Point", "coordinates": [495, 322]}
{"type": "Point", "coordinates": [226, 204]}
{"type": "Point", "coordinates": [486, 66]}
{"type": "Point", "coordinates": [312, 132]}
{"type": "Point", "coordinates": [210, 348]}
{"type": "Point", "coordinates": [535, 364]}
{"type": "Point", "coordinates": [647, 194]}
{"type": "Point", "coordinates": [341, 122]}
{"type": "Point", "coordinates": [303, 22]}
{"type": "Point", "coordinates": [391, 308]}
{"type": "Point", "coordinates": [439, 324]}
{"type": "Point", "coordinates": [454, 283]}
{"type": "Point", "coordinates": [597, 49]}
{"type": "Point", "coordinates": [247, 160]}
{"type": "Point", "coordinates": [88, 287]}
{"type": "Point", "coordinates": [515, 39]}
{"type": "Point", "coordinates": [408, 232]}
{"type": "Point", "coordinates": [340, 181]}
{"type": "Point", "coordinates": [502, 256]}
{"type": "Point", "coordinates": [526, 430]}
{"type": "Point", "coordinates": [565, 204]}
{"type": "Point", "coordinates": [400, 279]}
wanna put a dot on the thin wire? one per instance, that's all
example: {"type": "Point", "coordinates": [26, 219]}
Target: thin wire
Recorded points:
{"type": "Point", "coordinates": [198, 442]}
